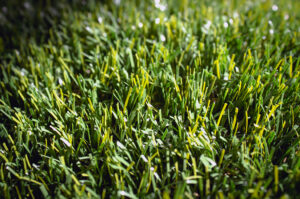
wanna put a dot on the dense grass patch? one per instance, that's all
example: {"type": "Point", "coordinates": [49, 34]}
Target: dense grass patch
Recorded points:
{"type": "Point", "coordinates": [150, 99]}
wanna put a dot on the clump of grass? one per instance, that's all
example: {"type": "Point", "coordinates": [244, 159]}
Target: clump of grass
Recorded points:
{"type": "Point", "coordinates": [142, 99]}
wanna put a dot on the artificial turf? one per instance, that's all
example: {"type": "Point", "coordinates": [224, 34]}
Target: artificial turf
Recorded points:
{"type": "Point", "coordinates": [150, 99]}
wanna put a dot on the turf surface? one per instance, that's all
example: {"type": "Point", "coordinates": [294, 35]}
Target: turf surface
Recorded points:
{"type": "Point", "coordinates": [150, 99]}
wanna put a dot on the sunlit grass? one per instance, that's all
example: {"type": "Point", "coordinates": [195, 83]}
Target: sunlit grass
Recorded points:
{"type": "Point", "coordinates": [151, 99]}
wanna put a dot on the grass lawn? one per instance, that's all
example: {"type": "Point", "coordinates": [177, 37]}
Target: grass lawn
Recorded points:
{"type": "Point", "coordinates": [150, 99]}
